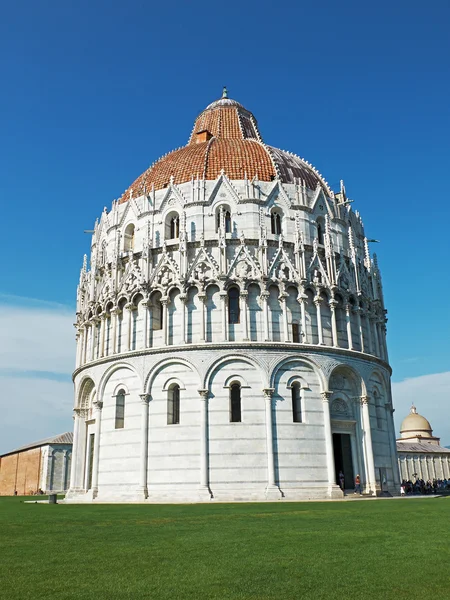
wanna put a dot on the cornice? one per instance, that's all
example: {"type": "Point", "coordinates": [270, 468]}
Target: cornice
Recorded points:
{"type": "Point", "coordinates": [300, 349]}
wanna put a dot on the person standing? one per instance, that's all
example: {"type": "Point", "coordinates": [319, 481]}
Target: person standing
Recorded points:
{"type": "Point", "coordinates": [358, 485]}
{"type": "Point", "coordinates": [341, 480]}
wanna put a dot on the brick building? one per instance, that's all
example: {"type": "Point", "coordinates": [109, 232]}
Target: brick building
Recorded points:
{"type": "Point", "coordinates": [42, 465]}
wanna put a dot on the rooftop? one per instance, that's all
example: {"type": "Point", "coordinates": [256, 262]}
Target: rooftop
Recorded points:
{"type": "Point", "coordinates": [62, 438]}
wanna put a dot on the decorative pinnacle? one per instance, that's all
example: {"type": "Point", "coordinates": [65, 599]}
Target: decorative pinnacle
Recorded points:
{"type": "Point", "coordinates": [224, 92]}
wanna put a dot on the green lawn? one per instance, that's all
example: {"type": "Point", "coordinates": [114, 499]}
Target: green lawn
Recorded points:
{"type": "Point", "coordinates": [368, 549]}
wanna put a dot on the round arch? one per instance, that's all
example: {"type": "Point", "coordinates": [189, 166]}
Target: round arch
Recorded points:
{"type": "Point", "coordinates": [85, 391]}
{"type": "Point", "coordinates": [357, 379]}
{"type": "Point", "coordinates": [163, 363]}
{"type": "Point", "coordinates": [112, 369]}
{"type": "Point", "coordinates": [230, 357]}
{"type": "Point", "coordinates": [307, 361]}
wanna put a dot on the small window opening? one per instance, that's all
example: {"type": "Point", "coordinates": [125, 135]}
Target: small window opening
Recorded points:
{"type": "Point", "coordinates": [320, 233]}
{"type": "Point", "coordinates": [120, 410]}
{"type": "Point", "coordinates": [156, 314]}
{"type": "Point", "coordinates": [173, 405]}
{"type": "Point", "coordinates": [296, 403]}
{"type": "Point", "coordinates": [295, 333]}
{"type": "Point", "coordinates": [235, 403]}
{"type": "Point", "coordinates": [233, 305]}
{"type": "Point", "coordinates": [275, 222]}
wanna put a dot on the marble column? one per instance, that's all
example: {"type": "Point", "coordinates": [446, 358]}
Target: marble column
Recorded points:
{"type": "Point", "coordinates": [265, 305]}
{"type": "Point", "coordinates": [146, 308]}
{"type": "Point", "coordinates": [204, 443]}
{"type": "Point", "coordinates": [130, 309]}
{"type": "Point", "coordinates": [302, 301]}
{"type": "Point", "coordinates": [243, 299]}
{"type": "Point", "coordinates": [360, 328]}
{"type": "Point", "coordinates": [318, 302]}
{"type": "Point", "coordinates": [348, 308]}
{"type": "Point", "coordinates": [331, 475]}
{"type": "Point", "coordinates": [183, 299]}
{"type": "Point", "coordinates": [79, 340]}
{"type": "Point", "coordinates": [92, 327]}
{"type": "Point", "coordinates": [282, 298]}
{"type": "Point", "coordinates": [272, 489]}
{"type": "Point", "coordinates": [115, 317]}
{"type": "Point", "coordinates": [203, 298]}
{"type": "Point", "coordinates": [334, 333]}
{"type": "Point", "coordinates": [97, 406]}
{"type": "Point", "coordinates": [369, 333]}
{"type": "Point", "coordinates": [165, 321]}
{"type": "Point", "coordinates": [367, 432]}
{"type": "Point", "coordinates": [375, 336]}
{"type": "Point", "coordinates": [143, 485]}
{"type": "Point", "coordinates": [74, 469]}
{"type": "Point", "coordinates": [224, 313]}
{"type": "Point", "coordinates": [102, 334]}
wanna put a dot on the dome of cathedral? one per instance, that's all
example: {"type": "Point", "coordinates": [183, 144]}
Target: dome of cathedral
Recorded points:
{"type": "Point", "coordinates": [225, 137]}
{"type": "Point", "coordinates": [414, 425]}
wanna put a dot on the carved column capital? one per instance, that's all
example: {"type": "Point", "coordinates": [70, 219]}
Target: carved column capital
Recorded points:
{"type": "Point", "coordinates": [203, 298]}
{"type": "Point", "coordinates": [268, 393]}
{"type": "Point", "coordinates": [326, 396]}
{"type": "Point", "coordinates": [204, 394]}
{"type": "Point", "coordinates": [333, 303]}
{"type": "Point", "coordinates": [130, 306]}
{"type": "Point", "coordinates": [97, 405]}
{"type": "Point", "coordinates": [364, 400]}
{"type": "Point", "coordinates": [145, 398]}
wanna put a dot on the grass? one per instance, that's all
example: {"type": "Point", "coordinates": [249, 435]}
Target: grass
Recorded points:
{"type": "Point", "coordinates": [369, 549]}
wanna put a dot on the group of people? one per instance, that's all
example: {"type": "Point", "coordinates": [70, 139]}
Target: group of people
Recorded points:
{"type": "Point", "coordinates": [357, 490]}
{"type": "Point", "coordinates": [432, 486]}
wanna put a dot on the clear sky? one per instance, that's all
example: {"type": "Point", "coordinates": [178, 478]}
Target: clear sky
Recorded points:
{"type": "Point", "coordinates": [93, 92]}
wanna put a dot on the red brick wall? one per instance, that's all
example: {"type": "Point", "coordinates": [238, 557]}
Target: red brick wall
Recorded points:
{"type": "Point", "coordinates": [20, 472]}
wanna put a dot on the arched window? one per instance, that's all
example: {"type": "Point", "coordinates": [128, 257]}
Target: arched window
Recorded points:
{"type": "Point", "coordinates": [120, 410]}
{"type": "Point", "coordinates": [235, 403]}
{"type": "Point", "coordinates": [275, 222]}
{"type": "Point", "coordinates": [233, 305]}
{"type": "Point", "coordinates": [128, 243]}
{"type": "Point", "coordinates": [173, 404]}
{"type": "Point", "coordinates": [223, 210]}
{"type": "Point", "coordinates": [174, 227]}
{"type": "Point", "coordinates": [320, 232]}
{"type": "Point", "coordinates": [296, 403]}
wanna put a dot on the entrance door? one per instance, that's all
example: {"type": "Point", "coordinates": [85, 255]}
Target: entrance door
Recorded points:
{"type": "Point", "coordinates": [343, 458]}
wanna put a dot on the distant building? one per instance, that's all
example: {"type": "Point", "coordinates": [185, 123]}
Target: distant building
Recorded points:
{"type": "Point", "coordinates": [43, 465]}
{"type": "Point", "coordinates": [420, 454]}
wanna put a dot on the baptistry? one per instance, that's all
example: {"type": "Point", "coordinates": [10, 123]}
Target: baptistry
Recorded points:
{"type": "Point", "coordinates": [231, 338]}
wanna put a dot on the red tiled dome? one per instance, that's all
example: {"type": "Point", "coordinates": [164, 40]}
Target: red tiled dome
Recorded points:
{"type": "Point", "coordinates": [225, 136]}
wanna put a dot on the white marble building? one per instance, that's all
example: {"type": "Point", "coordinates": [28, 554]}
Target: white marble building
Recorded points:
{"type": "Point", "coordinates": [420, 454]}
{"type": "Point", "coordinates": [231, 339]}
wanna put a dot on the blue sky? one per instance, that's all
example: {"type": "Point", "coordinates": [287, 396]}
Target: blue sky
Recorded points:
{"type": "Point", "coordinates": [93, 92]}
